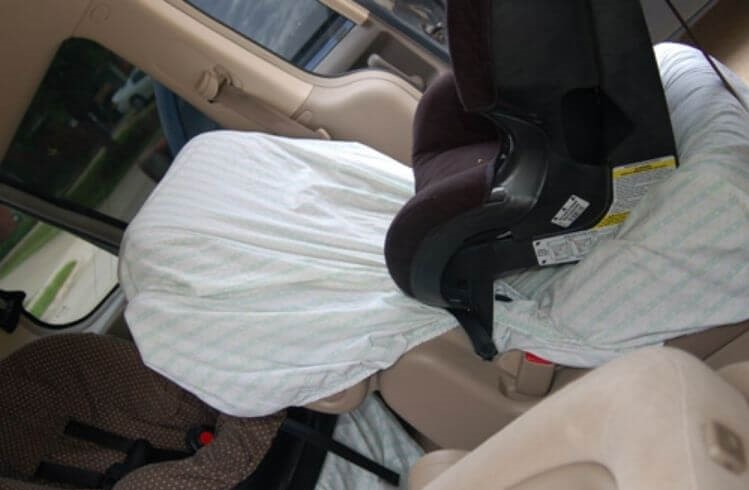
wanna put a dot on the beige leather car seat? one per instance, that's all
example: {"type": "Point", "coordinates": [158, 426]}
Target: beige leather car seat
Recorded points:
{"type": "Point", "coordinates": [658, 418]}
{"type": "Point", "coordinates": [444, 380]}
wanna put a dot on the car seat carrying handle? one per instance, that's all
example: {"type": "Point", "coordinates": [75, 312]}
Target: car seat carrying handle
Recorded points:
{"type": "Point", "coordinates": [139, 453]}
{"type": "Point", "coordinates": [581, 98]}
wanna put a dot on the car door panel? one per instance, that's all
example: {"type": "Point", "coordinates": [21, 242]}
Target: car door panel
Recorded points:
{"type": "Point", "coordinates": [178, 45]}
{"type": "Point", "coordinates": [378, 37]}
{"type": "Point", "coordinates": [176, 49]}
{"type": "Point", "coordinates": [379, 102]}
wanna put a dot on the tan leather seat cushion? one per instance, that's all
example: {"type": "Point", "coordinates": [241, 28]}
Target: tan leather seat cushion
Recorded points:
{"type": "Point", "coordinates": [641, 418]}
{"type": "Point", "coordinates": [738, 375]}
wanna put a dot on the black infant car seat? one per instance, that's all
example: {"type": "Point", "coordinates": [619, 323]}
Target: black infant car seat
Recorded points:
{"type": "Point", "coordinates": [516, 151]}
{"type": "Point", "coordinates": [82, 411]}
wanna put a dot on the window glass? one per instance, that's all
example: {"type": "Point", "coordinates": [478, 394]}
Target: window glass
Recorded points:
{"type": "Point", "coordinates": [300, 31]}
{"type": "Point", "coordinates": [64, 277]}
{"type": "Point", "coordinates": [91, 136]}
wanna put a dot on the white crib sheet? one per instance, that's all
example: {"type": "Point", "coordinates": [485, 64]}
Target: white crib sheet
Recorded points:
{"type": "Point", "coordinates": [256, 279]}
{"type": "Point", "coordinates": [373, 431]}
{"type": "Point", "coordinates": [255, 272]}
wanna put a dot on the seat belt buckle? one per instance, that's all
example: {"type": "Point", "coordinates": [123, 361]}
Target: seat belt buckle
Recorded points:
{"type": "Point", "coordinates": [535, 375]}
{"type": "Point", "coordinates": [199, 437]}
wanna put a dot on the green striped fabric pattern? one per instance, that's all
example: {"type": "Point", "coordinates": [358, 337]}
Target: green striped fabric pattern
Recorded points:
{"type": "Point", "coordinates": [374, 432]}
{"type": "Point", "coordinates": [256, 279]}
{"type": "Point", "coordinates": [255, 271]}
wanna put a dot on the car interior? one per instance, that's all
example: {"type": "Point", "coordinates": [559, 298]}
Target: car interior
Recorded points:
{"type": "Point", "coordinates": [673, 416]}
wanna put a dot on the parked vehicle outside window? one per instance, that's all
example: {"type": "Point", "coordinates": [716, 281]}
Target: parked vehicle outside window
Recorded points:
{"type": "Point", "coordinates": [135, 94]}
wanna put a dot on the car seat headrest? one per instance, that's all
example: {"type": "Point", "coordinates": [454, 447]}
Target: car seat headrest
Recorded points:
{"type": "Point", "coordinates": [453, 161]}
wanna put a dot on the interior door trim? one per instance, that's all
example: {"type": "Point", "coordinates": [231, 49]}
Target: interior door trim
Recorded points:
{"type": "Point", "coordinates": [100, 230]}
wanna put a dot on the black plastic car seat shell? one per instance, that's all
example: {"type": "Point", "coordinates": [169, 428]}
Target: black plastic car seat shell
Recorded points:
{"type": "Point", "coordinates": [520, 143]}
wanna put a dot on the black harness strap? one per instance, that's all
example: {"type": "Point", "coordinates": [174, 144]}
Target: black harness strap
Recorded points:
{"type": "Point", "coordinates": [139, 449]}
{"type": "Point", "coordinates": [100, 437]}
{"type": "Point", "coordinates": [480, 338]}
{"type": "Point", "coordinates": [306, 433]}
{"type": "Point", "coordinates": [292, 463]}
{"type": "Point", "coordinates": [68, 475]}
{"type": "Point", "coordinates": [139, 453]}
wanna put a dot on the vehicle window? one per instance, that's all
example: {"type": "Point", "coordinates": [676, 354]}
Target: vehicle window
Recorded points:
{"type": "Point", "coordinates": [63, 276]}
{"type": "Point", "coordinates": [91, 137]}
{"type": "Point", "coordinates": [301, 31]}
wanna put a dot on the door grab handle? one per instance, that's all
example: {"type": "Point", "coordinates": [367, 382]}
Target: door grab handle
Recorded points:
{"type": "Point", "coordinates": [216, 87]}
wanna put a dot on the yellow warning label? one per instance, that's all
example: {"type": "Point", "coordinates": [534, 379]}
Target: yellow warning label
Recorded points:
{"type": "Point", "coordinates": [649, 166]}
{"type": "Point", "coordinates": [613, 219]}
{"type": "Point", "coordinates": [631, 183]}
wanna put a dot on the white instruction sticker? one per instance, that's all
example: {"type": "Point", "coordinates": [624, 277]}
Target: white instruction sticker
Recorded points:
{"type": "Point", "coordinates": [631, 183]}
{"type": "Point", "coordinates": [571, 247]}
{"type": "Point", "coordinates": [572, 209]}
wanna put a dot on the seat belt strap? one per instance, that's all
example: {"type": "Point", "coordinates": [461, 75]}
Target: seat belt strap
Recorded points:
{"type": "Point", "coordinates": [69, 476]}
{"type": "Point", "coordinates": [310, 435]}
{"type": "Point", "coordinates": [139, 453]}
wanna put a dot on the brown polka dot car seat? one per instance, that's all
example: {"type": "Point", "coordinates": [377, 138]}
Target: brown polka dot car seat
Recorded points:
{"type": "Point", "coordinates": [82, 411]}
{"type": "Point", "coordinates": [519, 143]}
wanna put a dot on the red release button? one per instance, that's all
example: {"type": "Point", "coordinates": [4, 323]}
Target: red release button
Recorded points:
{"type": "Point", "coordinates": [536, 360]}
{"type": "Point", "coordinates": [205, 438]}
